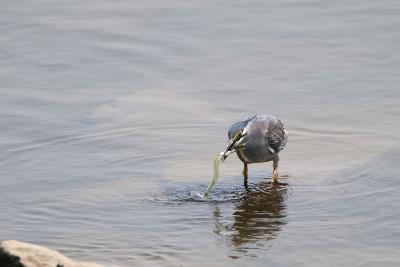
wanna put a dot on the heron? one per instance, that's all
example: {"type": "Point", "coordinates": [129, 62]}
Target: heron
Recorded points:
{"type": "Point", "coordinates": [257, 139]}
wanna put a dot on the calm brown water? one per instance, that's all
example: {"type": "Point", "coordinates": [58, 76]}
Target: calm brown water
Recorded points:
{"type": "Point", "coordinates": [113, 111]}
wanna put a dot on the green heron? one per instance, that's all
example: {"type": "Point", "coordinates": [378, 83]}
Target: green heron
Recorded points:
{"type": "Point", "coordinates": [257, 139]}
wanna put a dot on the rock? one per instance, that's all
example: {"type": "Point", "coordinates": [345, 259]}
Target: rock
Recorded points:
{"type": "Point", "coordinates": [19, 254]}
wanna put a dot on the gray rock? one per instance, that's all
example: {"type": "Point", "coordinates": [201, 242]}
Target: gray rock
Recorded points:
{"type": "Point", "coordinates": [19, 254]}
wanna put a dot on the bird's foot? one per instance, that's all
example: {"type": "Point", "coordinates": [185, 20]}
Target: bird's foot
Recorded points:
{"type": "Point", "coordinates": [274, 178]}
{"type": "Point", "coordinates": [275, 183]}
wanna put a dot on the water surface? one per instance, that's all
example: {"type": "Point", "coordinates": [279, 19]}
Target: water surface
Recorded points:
{"type": "Point", "coordinates": [112, 113]}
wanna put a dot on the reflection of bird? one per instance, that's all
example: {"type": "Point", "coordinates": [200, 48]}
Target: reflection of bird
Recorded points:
{"type": "Point", "coordinates": [257, 219]}
{"type": "Point", "coordinates": [257, 139]}
{"type": "Point", "coordinates": [259, 216]}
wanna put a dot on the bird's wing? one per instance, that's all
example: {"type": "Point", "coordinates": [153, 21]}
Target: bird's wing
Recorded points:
{"type": "Point", "coordinates": [276, 135]}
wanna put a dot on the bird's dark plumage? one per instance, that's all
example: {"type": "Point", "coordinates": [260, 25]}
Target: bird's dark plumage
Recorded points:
{"type": "Point", "coordinates": [262, 137]}
{"type": "Point", "coordinates": [272, 129]}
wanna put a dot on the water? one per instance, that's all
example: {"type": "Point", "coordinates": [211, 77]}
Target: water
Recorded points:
{"type": "Point", "coordinates": [112, 113]}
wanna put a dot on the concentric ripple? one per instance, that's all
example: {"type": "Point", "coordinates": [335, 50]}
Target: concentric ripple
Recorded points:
{"type": "Point", "coordinates": [222, 193]}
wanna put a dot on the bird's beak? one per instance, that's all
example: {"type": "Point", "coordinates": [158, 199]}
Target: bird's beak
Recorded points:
{"type": "Point", "coordinates": [232, 144]}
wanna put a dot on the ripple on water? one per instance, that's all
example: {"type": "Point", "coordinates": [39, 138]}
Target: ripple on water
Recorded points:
{"type": "Point", "coordinates": [374, 176]}
{"type": "Point", "coordinates": [247, 221]}
{"type": "Point", "coordinates": [223, 193]}
{"type": "Point", "coordinates": [194, 193]}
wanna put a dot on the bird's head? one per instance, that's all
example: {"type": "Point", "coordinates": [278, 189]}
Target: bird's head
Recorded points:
{"type": "Point", "coordinates": [234, 143]}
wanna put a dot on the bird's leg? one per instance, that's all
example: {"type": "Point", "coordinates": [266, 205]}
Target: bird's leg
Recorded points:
{"type": "Point", "coordinates": [275, 174]}
{"type": "Point", "coordinates": [245, 176]}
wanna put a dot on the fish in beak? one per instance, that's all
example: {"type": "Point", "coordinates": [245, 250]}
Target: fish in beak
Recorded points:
{"type": "Point", "coordinates": [232, 146]}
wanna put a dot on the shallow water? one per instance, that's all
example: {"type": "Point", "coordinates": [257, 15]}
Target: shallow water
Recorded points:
{"type": "Point", "coordinates": [112, 113]}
